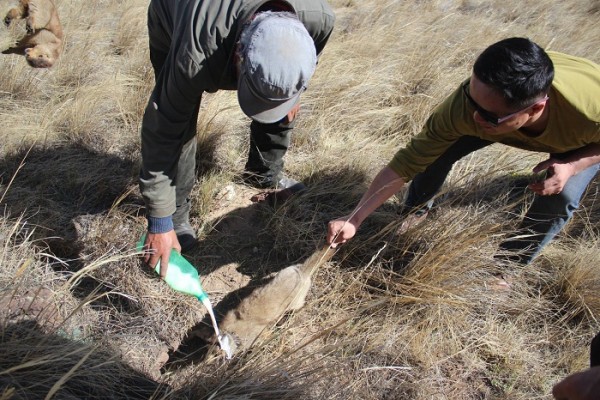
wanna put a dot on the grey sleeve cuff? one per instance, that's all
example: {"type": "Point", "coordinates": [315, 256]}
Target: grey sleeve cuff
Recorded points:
{"type": "Point", "coordinates": [160, 224]}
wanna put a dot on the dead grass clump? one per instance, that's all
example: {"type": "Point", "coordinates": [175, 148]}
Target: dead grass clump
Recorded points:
{"type": "Point", "coordinates": [46, 186]}
{"type": "Point", "coordinates": [21, 82]}
{"type": "Point", "coordinates": [576, 283]}
{"type": "Point", "coordinates": [80, 122]}
{"type": "Point", "coordinates": [45, 366]}
{"type": "Point", "coordinates": [131, 32]}
{"type": "Point", "coordinates": [260, 375]}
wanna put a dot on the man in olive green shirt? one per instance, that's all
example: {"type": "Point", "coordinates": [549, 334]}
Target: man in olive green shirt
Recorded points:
{"type": "Point", "coordinates": [520, 96]}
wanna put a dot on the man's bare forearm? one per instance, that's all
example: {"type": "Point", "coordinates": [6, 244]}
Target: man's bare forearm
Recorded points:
{"type": "Point", "coordinates": [384, 186]}
{"type": "Point", "coordinates": [584, 157]}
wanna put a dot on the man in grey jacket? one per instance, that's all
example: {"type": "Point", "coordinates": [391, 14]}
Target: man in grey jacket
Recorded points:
{"type": "Point", "coordinates": [266, 50]}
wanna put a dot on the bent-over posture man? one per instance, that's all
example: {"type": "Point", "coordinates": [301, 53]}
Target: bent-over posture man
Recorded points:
{"type": "Point", "coordinates": [517, 95]}
{"type": "Point", "coordinates": [267, 51]}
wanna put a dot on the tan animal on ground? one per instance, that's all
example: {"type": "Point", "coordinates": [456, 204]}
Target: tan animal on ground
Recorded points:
{"type": "Point", "coordinates": [43, 42]}
{"type": "Point", "coordinates": [265, 305]}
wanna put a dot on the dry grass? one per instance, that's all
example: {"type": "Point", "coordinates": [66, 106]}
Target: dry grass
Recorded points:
{"type": "Point", "coordinates": [392, 317]}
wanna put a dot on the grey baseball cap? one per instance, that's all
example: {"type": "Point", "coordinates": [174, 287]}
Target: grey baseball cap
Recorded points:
{"type": "Point", "coordinates": [278, 60]}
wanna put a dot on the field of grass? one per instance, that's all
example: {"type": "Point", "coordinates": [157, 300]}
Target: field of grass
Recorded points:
{"type": "Point", "coordinates": [408, 316]}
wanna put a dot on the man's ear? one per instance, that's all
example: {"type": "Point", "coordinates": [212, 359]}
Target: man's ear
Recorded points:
{"type": "Point", "coordinates": [537, 108]}
{"type": "Point", "coordinates": [237, 58]}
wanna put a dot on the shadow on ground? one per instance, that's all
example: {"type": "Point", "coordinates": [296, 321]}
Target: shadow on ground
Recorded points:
{"type": "Point", "coordinates": [51, 185]}
{"type": "Point", "coordinates": [35, 364]}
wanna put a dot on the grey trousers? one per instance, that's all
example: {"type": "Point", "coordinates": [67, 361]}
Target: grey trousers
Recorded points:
{"type": "Point", "coordinates": [268, 145]}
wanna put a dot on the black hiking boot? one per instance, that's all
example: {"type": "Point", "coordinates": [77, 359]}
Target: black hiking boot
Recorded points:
{"type": "Point", "coordinates": [186, 235]}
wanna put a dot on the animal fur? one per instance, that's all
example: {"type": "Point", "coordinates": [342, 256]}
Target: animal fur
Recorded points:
{"type": "Point", "coordinates": [42, 45]}
{"type": "Point", "coordinates": [265, 305]}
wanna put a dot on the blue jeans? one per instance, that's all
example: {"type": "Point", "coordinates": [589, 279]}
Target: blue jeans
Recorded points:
{"type": "Point", "coordinates": [544, 219]}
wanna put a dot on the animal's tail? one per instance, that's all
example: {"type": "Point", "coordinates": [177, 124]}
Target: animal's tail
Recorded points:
{"type": "Point", "coordinates": [318, 258]}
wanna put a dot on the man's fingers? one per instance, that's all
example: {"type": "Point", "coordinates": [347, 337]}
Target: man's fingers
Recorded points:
{"type": "Point", "coordinates": [164, 264]}
{"type": "Point", "coordinates": [146, 253]}
{"type": "Point", "coordinates": [152, 261]}
{"type": "Point", "coordinates": [546, 188]}
{"type": "Point", "coordinates": [332, 231]}
{"type": "Point", "coordinates": [292, 114]}
{"type": "Point", "coordinates": [333, 245]}
{"type": "Point", "coordinates": [336, 236]}
{"type": "Point", "coordinates": [537, 188]}
{"type": "Point", "coordinates": [331, 239]}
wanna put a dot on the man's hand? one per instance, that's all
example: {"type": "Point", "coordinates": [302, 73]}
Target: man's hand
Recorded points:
{"type": "Point", "coordinates": [386, 183]}
{"type": "Point", "coordinates": [292, 114]}
{"type": "Point", "coordinates": [339, 231]}
{"type": "Point", "coordinates": [557, 174]}
{"type": "Point", "coordinates": [158, 247]}
{"type": "Point", "coordinates": [580, 386]}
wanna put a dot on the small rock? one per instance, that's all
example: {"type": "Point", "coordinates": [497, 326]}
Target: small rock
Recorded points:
{"type": "Point", "coordinates": [227, 193]}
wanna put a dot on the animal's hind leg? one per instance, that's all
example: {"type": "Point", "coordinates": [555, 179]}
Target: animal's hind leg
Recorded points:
{"type": "Point", "coordinates": [17, 12]}
{"type": "Point", "coordinates": [39, 13]}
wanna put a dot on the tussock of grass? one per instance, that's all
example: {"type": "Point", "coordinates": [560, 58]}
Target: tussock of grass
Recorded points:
{"type": "Point", "coordinates": [411, 316]}
{"type": "Point", "coordinates": [46, 366]}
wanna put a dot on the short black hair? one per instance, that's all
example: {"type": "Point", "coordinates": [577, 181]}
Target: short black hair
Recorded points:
{"type": "Point", "coordinates": [518, 69]}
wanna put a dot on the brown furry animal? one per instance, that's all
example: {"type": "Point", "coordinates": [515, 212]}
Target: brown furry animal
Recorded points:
{"type": "Point", "coordinates": [43, 42]}
{"type": "Point", "coordinates": [265, 305]}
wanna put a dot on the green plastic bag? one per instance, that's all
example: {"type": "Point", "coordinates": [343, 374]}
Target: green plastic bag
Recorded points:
{"type": "Point", "coordinates": [183, 277]}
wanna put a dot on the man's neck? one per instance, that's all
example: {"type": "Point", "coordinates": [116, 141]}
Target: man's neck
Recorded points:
{"type": "Point", "coordinates": [275, 6]}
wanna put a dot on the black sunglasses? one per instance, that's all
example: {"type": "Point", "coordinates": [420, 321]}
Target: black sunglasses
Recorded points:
{"type": "Point", "coordinates": [490, 117]}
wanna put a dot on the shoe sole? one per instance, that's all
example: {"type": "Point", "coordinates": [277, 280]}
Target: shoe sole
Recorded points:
{"type": "Point", "coordinates": [411, 221]}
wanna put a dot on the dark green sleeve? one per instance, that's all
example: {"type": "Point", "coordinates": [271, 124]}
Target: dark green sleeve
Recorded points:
{"type": "Point", "coordinates": [319, 20]}
{"type": "Point", "coordinates": [169, 122]}
{"type": "Point", "coordinates": [320, 29]}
